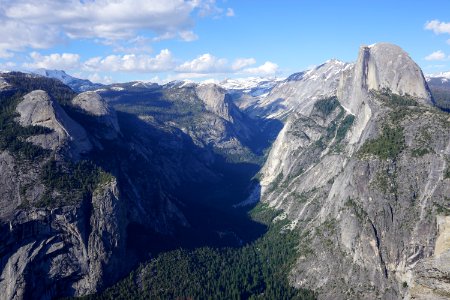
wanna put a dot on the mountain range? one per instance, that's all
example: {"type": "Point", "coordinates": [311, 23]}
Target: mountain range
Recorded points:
{"type": "Point", "coordinates": [332, 183]}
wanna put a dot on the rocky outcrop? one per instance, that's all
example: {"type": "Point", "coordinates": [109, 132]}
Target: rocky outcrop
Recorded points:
{"type": "Point", "coordinates": [215, 100]}
{"type": "Point", "coordinates": [38, 109]}
{"type": "Point", "coordinates": [93, 104]}
{"type": "Point", "coordinates": [65, 251]}
{"type": "Point", "coordinates": [431, 276]}
{"type": "Point", "coordinates": [362, 178]}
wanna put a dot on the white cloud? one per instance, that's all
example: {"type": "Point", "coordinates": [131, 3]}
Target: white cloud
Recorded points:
{"type": "Point", "coordinates": [437, 55]}
{"type": "Point", "coordinates": [8, 66]}
{"type": "Point", "coordinates": [230, 12]}
{"type": "Point", "coordinates": [65, 61]}
{"type": "Point", "coordinates": [164, 61]}
{"type": "Point", "coordinates": [45, 23]}
{"type": "Point", "coordinates": [188, 36]}
{"type": "Point", "coordinates": [95, 68]}
{"type": "Point", "coordinates": [268, 68]}
{"type": "Point", "coordinates": [208, 8]}
{"type": "Point", "coordinates": [448, 41]}
{"type": "Point", "coordinates": [208, 64]}
{"type": "Point", "coordinates": [100, 79]}
{"type": "Point", "coordinates": [241, 63]}
{"type": "Point", "coordinates": [438, 27]}
{"type": "Point", "coordinates": [16, 36]}
{"type": "Point", "coordinates": [205, 63]}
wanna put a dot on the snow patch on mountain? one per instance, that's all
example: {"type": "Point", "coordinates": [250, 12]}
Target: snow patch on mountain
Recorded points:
{"type": "Point", "coordinates": [300, 90]}
{"type": "Point", "coordinates": [443, 76]}
{"type": "Point", "coordinates": [77, 84]}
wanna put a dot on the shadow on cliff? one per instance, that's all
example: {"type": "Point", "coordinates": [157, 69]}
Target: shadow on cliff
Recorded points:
{"type": "Point", "coordinates": [159, 166]}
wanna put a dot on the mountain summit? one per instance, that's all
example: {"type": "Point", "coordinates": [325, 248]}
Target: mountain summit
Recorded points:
{"type": "Point", "coordinates": [77, 84]}
{"type": "Point", "coordinates": [363, 174]}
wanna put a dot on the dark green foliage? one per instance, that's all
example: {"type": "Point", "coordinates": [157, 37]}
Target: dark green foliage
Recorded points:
{"type": "Point", "coordinates": [326, 106]}
{"type": "Point", "coordinates": [344, 127]}
{"type": "Point", "coordinates": [71, 181]}
{"type": "Point", "coordinates": [419, 152]}
{"type": "Point", "coordinates": [263, 213]}
{"type": "Point", "coordinates": [388, 145]}
{"type": "Point", "coordinates": [423, 141]}
{"type": "Point", "coordinates": [394, 100]}
{"type": "Point", "coordinates": [256, 271]}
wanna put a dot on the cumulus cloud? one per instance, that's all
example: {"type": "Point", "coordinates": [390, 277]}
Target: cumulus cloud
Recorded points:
{"type": "Point", "coordinates": [102, 68]}
{"type": "Point", "coordinates": [164, 61]}
{"type": "Point", "coordinates": [45, 23]}
{"type": "Point", "coordinates": [268, 68]}
{"type": "Point", "coordinates": [209, 64]}
{"type": "Point", "coordinates": [65, 61]}
{"type": "Point", "coordinates": [205, 63]}
{"type": "Point", "coordinates": [437, 55]}
{"type": "Point", "coordinates": [438, 27]}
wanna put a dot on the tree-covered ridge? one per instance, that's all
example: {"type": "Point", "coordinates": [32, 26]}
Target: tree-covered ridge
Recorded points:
{"type": "Point", "coordinates": [25, 83]}
{"type": "Point", "coordinates": [326, 106]}
{"type": "Point", "coordinates": [387, 145]}
{"type": "Point", "coordinates": [68, 182]}
{"type": "Point", "coordinates": [258, 270]}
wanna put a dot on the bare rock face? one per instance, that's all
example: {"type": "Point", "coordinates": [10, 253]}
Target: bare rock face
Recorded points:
{"type": "Point", "coordinates": [38, 109]}
{"type": "Point", "coordinates": [430, 276]}
{"type": "Point", "coordinates": [55, 252]}
{"type": "Point", "coordinates": [362, 178]}
{"type": "Point", "coordinates": [93, 104]}
{"type": "Point", "coordinates": [379, 67]}
{"type": "Point", "coordinates": [214, 98]}
{"type": "Point", "coordinates": [300, 91]}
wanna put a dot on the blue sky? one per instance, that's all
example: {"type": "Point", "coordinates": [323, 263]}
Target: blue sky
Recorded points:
{"type": "Point", "coordinates": [161, 40]}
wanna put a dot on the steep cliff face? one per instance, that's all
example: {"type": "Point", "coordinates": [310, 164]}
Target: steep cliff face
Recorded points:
{"type": "Point", "coordinates": [68, 250]}
{"type": "Point", "coordinates": [64, 221]}
{"type": "Point", "coordinates": [364, 177]}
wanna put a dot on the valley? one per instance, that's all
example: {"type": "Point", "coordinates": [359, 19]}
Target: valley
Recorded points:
{"type": "Point", "coordinates": [330, 184]}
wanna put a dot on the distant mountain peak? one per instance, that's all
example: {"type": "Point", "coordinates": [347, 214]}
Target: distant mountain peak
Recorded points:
{"type": "Point", "coordinates": [77, 84]}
